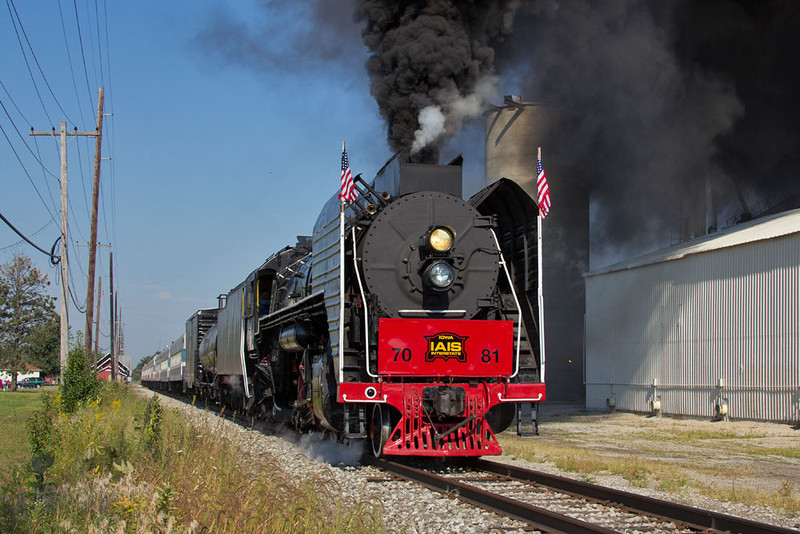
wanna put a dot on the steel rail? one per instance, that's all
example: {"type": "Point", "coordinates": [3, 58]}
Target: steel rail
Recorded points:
{"type": "Point", "coordinates": [677, 512]}
{"type": "Point", "coordinates": [539, 518]}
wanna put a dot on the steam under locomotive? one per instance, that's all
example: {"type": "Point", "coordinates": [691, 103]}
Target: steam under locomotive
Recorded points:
{"type": "Point", "coordinates": [406, 320]}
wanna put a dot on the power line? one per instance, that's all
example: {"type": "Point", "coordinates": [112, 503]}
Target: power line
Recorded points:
{"type": "Point", "coordinates": [99, 48]}
{"type": "Point", "coordinates": [26, 172]}
{"type": "Point", "coordinates": [34, 234]}
{"type": "Point", "coordinates": [53, 259]}
{"type": "Point", "coordinates": [83, 178]}
{"type": "Point", "coordinates": [15, 104]}
{"type": "Point", "coordinates": [37, 158]}
{"type": "Point", "coordinates": [35, 59]}
{"type": "Point", "coordinates": [49, 190]}
{"type": "Point", "coordinates": [69, 59]}
{"type": "Point", "coordinates": [81, 309]}
{"type": "Point", "coordinates": [83, 54]}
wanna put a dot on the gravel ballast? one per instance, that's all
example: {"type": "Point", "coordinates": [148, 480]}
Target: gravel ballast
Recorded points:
{"type": "Point", "coordinates": [410, 508]}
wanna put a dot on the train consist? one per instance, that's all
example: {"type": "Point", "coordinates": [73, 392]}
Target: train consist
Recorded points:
{"type": "Point", "coordinates": [404, 322]}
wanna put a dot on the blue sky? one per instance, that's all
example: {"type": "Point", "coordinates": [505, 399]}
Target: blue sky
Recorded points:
{"type": "Point", "coordinates": [222, 150]}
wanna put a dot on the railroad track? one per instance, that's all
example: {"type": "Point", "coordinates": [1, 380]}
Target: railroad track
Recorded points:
{"type": "Point", "coordinates": [556, 504]}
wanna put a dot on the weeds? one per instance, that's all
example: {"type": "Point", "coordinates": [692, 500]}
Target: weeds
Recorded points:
{"type": "Point", "coordinates": [123, 464]}
{"type": "Point", "coordinates": [79, 384]}
{"type": "Point", "coordinates": [784, 498]}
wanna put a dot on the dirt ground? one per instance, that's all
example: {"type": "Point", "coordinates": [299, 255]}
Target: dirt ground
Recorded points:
{"type": "Point", "coordinates": [741, 462]}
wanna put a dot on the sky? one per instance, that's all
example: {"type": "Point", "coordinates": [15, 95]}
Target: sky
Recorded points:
{"type": "Point", "coordinates": [224, 123]}
{"type": "Point", "coordinates": [214, 164]}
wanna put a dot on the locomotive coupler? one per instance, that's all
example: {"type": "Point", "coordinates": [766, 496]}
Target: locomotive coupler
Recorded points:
{"type": "Point", "coordinates": [444, 401]}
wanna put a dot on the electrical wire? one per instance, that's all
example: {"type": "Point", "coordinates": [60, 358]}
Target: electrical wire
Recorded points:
{"type": "Point", "coordinates": [88, 18]}
{"type": "Point", "coordinates": [49, 190]}
{"type": "Point", "coordinates": [69, 59]}
{"type": "Point", "coordinates": [34, 234]}
{"type": "Point", "coordinates": [37, 158]}
{"type": "Point", "coordinates": [34, 58]}
{"type": "Point", "coordinates": [74, 303]}
{"type": "Point", "coordinates": [53, 259]}
{"type": "Point", "coordinates": [99, 47]}
{"type": "Point", "coordinates": [83, 54]}
{"type": "Point", "coordinates": [30, 71]}
{"type": "Point", "coordinates": [15, 104]}
{"type": "Point", "coordinates": [83, 179]}
{"type": "Point", "coordinates": [27, 173]}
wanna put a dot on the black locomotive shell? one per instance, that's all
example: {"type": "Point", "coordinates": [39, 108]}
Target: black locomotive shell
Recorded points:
{"type": "Point", "coordinates": [392, 257]}
{"type": "Point", "coordinates": [299, 340]}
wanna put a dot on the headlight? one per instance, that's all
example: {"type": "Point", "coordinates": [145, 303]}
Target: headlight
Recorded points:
{"type": "Point", "coordinates": [441, 239]}
{"type": "Point", "coordinates": [441, 275]}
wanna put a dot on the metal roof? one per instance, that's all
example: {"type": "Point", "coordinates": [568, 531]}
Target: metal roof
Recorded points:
{"type": "Point", "coordinates": [770, 227]}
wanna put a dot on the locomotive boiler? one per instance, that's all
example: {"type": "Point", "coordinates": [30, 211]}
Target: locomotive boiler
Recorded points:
{"type": "Point", "coordinates": [406, 320]}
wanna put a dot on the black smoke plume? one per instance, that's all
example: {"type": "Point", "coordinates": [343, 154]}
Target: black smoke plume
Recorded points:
{"type": "Point", "coordinates": [659, 99]}
{"type": "Point", "coordinates": [432, 66]}
{"type": "Point", "coordinates": [662, 102]}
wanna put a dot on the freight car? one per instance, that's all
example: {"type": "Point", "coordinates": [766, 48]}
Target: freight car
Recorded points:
{"type": "Point", "coordinates": [405, 321]}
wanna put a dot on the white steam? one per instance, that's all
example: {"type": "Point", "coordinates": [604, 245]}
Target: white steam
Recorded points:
{"type": "Point", "coordinates": [452, 111]}
{"type": "Point", "coordinates": [431, 127]}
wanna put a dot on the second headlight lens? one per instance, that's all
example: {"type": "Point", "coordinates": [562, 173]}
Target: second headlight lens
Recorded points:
{"type": "Point", "coordinates": [441, 275]}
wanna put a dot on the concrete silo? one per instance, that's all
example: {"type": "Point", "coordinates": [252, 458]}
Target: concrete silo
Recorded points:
{"type": "Point", "coordinates": [514, 130]}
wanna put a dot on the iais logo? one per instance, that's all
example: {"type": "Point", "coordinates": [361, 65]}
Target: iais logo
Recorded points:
{"type": "Point", "coordinates": [446, 345]}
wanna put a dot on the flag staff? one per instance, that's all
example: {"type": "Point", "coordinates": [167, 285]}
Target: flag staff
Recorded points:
{"type": "Point", "coordinates": [542, 186]}
{"type": "Point", "coordinates": [341, 270]}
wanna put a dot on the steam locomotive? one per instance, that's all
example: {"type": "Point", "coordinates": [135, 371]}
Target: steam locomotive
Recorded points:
{"type": "Point", "coordinates": [405, 321]}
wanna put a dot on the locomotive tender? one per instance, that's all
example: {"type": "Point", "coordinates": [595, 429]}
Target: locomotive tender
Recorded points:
{"type": "Point", "coordinates": [414, 335]}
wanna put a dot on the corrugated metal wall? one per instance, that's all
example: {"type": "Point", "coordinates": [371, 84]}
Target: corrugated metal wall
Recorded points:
{"type": "Point", "coordinates": [716, 325]}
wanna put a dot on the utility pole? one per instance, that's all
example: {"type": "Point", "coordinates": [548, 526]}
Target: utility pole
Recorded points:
{"type": "Point", "coordinates": [89, 310]}
{"type": "Point", "coordinates": [64, 239]}
{"type": "Point", "coordinates": [93, 233]}
{"type": "Point", "coordinates": [111, 310]}
{"type": "Point", "coordinates": [97, 321]}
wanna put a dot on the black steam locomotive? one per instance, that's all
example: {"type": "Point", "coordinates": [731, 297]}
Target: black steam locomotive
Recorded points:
{"type": "Point", "coordinates": [406, 320]}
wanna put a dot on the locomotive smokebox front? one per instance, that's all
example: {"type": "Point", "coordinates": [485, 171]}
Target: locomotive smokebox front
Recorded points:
{"type": "Point", "coordinates": [430, 252]}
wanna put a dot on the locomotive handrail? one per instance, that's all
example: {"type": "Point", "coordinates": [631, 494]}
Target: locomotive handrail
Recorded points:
{"type": "Point", "coordinates": [245, 383]}
{"type": "Point", "coordinates": [516, 300]}
{"type": "Point", "coordinates": [364, 304]}
{"type": "Point", "coordinates": [423, 312]}
{"type": "Point", "coordinates": [374, 401]}
{"type": "Point", "coordinates": [501, 399]}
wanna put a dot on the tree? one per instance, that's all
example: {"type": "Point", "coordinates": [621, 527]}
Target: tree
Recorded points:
{"type": "Point", "coordinates": [43, 346]}
{"type": "Point", "coordinates": [24, 306]}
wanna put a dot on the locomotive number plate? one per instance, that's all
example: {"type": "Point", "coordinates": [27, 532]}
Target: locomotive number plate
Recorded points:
{"type": "Point", "coordinates": [444, 347]}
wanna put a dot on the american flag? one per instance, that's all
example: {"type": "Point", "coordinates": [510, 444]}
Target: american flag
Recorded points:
{"type": "Point", "coordinates": [349, 193]}
{"type": "Point", "coordinates": [543, 190]}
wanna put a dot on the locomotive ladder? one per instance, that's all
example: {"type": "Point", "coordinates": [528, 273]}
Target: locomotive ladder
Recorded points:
{"type": "Point", "coordinates": [527, 413]}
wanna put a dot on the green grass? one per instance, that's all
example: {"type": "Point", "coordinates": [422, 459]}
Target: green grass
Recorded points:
{"type": "Point", "coordinates": [121, 463]}
{"type": "Point", "coordinates": [15, 408]}
{"type": "Point", "coordinates": [785, 452]}
{"type": "Point", "coordinates": [695, 435]}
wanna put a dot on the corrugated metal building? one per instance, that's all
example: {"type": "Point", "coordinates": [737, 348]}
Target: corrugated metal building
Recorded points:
{"type": "Point", "coordinates": [706, 328]}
